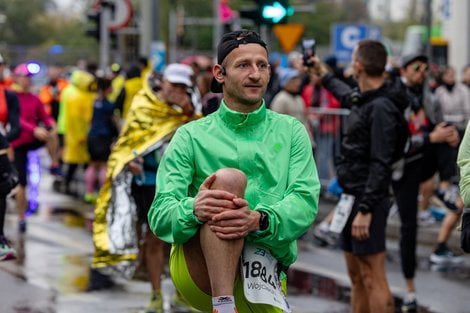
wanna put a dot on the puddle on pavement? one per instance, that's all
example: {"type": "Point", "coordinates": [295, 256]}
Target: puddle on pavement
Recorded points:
{"type": "Point", "coordinates": [69, 217]}
{"type": "Point", "coordinates": [459, 272]}
{"type": "Point", "coordinates": [74, 274]}
{"type": "Point", "coordinates": [27, 309]}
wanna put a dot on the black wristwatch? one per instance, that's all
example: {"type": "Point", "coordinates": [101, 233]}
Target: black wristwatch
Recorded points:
{"type": "Point", "coordinates": [364, 208]}
{"type": "Point", "coordinates": [263, 220]}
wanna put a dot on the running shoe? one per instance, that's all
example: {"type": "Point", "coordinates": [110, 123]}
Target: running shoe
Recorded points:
{"type": "Point", "coordinates": [6, 251]}
{"type": "Point", "coordinates": [55, 171]}
{"type": "Point", "coordinates": [445, 256]}
{"type": "Point", "coordinates": [323, 236]}
{"type": "Point", "coordinates": [409, 304]}
{"type": "Point", "coordinates": [425, 218]}
{"type": "Point", "coordinates": [156, 303]}
{"type": "Point", "coordinates": [90, 198]}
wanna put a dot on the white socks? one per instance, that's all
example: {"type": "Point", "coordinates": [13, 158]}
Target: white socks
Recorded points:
{"type": "Point", "coordinates": [223, 304]}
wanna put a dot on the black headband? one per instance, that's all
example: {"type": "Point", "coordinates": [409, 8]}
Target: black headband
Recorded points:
{"type": "Point", "coordinates": [232, 40]}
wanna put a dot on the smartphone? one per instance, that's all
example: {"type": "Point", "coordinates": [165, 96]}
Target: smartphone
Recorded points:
{"type": "Point", "coordinates": [308, 49]}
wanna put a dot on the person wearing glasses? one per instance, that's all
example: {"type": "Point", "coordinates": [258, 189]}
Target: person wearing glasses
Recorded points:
{"type": "Point", "coordinates": [431, 142]}
{"type": "Point", "coordinates": [235, 190]}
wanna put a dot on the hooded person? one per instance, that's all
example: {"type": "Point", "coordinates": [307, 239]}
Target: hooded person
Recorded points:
{"type": "Point", "coordinates": [75, 113]}
{"type": "Point", "coordinates": [152, 120]}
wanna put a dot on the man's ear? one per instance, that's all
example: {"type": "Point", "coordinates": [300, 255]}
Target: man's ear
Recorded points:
{"type": "Point", "coordinates": [219, 73]}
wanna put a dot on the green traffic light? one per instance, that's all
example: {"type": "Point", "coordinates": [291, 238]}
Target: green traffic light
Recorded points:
{"type": "Point", "coordinates": [276, 12]}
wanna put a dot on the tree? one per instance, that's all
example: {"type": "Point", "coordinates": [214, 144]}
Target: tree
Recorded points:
{"type": "Point", "coordinates": [23, 18]}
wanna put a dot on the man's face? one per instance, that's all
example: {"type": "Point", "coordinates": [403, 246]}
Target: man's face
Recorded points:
{"type": "Point", "coordinates": [415, 73]}
{"type": "Point", "coordinates": [356, 66]}
{"type": "Point", "coordinates": [176, 94]}
{"type": "Point", "coordinates": [449, 76]}
{"type": "Point", "coordinates": [246, 74]}
{"type": "Point", "coordinates": [466, 76]}
{"type": "Point", "coordinates": [54, 72]}
{"type": "Point", "coordinates": [24, 82]}
{"type": "Point", "coordinates": [294, 84]}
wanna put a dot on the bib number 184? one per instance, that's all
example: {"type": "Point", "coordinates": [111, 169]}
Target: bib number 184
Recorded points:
{"type": "Point", "coordinates": [256, 269]}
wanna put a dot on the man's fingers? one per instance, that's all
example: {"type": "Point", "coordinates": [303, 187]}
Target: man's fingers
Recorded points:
{"type": "Point", "coordinates": [240, 202]}
{"type": "Point", "coordinates": [230, 215]}
{"type": "Point", "coordinates": [208, 182]}
{"type": "Point", "coordinates": [235, 222]}
{"type": "Point", "coordinates": [219, 194]}
{"type": "Point", "coordinates": [226, 204]}
{"type": "Point", "coordinates": [360, 232]}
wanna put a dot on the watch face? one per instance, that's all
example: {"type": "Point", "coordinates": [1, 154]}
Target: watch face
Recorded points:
{"type": "Point", "coordinates": [263, 221]}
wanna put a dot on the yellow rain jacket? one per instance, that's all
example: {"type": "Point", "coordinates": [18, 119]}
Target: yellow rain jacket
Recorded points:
{"type": "Point", "coordinates": [78, 113]}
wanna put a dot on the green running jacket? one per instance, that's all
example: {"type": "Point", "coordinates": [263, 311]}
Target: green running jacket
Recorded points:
{"type": "Point", "coordinates": [275, 153]}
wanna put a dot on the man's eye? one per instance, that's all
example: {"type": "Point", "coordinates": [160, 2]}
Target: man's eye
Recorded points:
{"type": "Point", "coordinates": [263, 66]}
{"type": "Point", "coordinates": [243, 65]}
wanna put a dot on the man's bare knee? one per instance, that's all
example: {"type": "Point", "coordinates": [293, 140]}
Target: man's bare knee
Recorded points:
{"type": "Point", "coordinates": [230, 179]}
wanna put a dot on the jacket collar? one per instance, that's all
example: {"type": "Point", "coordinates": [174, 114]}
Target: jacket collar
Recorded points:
{"type": "Point", "coordinates": [238, 119]}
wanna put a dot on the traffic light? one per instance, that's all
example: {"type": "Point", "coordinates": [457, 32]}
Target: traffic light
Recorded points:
{"type": "Point", "coordinates": [94, 18]}
{"type": "Point", "coordinates": [274, 11]}
{"type": "Point", "coordinates": [268, 12]}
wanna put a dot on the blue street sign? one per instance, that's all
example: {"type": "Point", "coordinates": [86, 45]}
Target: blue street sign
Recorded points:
{"type": "Point", "coordinates": [346, 36]}
{"type": "Point", "coordinates": [158, 55]}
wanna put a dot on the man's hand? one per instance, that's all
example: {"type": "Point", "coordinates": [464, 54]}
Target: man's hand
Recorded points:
{"type": "Point", "coordinates": [235, 224]}
{"type": "Point", "coordinates": [360, 226]}
{"type": "Point", "coordinates": [454, 139]}
{"type": "Point", "coordinates": [316, 67]}
{"type": "Point", "coordinates": [209, 203]}
{"type": "Point", "coordinates": [41, 134]}
{"type": "Point", "coordinates": [136, 166]}
{"type": "Point", "coordinates": [442, 133]}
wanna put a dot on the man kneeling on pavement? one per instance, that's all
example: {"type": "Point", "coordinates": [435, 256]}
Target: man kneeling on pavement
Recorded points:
{"type": "Point", "coordinates": [239, 183]}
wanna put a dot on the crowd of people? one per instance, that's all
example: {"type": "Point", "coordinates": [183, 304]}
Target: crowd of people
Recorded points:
{"type": "Point", "coordinates": [219, 161]}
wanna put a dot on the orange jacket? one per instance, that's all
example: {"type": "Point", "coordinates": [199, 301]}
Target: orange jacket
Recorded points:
{"type": "Point", "coordinates": [48, 93]}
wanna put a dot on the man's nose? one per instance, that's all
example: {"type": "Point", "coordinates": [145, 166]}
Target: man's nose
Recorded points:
{"type": "Point", "coordinates": [255, 73]}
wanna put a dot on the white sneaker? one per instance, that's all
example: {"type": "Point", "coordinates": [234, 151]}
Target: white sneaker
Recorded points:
{"type": "Point", "coordinates": [445, 257]}
{"type": "Point", "coordinates": [6, 251]}
{"type": "Point", "coordinates": [425, 218]}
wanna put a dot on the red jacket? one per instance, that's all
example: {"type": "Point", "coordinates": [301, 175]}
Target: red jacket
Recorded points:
{"type": "Point", "coordinates": [31, 113]}
{"type": "Point", "coordinates": [328, 123]}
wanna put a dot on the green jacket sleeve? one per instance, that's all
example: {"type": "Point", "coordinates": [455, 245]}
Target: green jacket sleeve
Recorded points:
{"type": "Point", "coordinates": [292, 216]}
{"type": "Point", "coordinates": [463, 161]}
{"type": "Point", "coordinates": [171, 216]}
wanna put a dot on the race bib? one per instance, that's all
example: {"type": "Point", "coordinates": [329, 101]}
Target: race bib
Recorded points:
{"type": "Point", "coordinates": [261, 282]}
{"type": "Point", "coordinates": [342, 212]}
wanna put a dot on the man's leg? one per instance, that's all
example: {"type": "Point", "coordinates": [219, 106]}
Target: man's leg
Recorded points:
{"type": "Point", "coordinates": [374, 279]}
{"type": "Point", "coordinates": [52, 146]}
{"type": "Point", "coordinates": [154, 259]}
{"type": "Point", "coordinates": [359, 296]}
{"type": "Point", "coordinates": [455, 205]}
{"type": "Point", "coordinates": [213, 262]}
{"type": "Point", "coordinates": [406, 194]}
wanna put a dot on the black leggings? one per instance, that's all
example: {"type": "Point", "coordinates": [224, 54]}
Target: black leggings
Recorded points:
{"type": "Point", "coordinates": [437, 158]}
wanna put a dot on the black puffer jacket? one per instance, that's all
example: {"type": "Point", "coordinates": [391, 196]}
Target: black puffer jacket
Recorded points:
{"type": "Point", "coordinates": [375, 138]}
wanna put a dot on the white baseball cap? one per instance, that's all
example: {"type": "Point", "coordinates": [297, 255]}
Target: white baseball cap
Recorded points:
{"type": "Point", "coordinates": [178, 74]}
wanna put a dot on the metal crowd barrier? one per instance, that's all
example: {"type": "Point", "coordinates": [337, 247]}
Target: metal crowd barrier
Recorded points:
{"type": "Point", "coordinates": [327, 126]}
